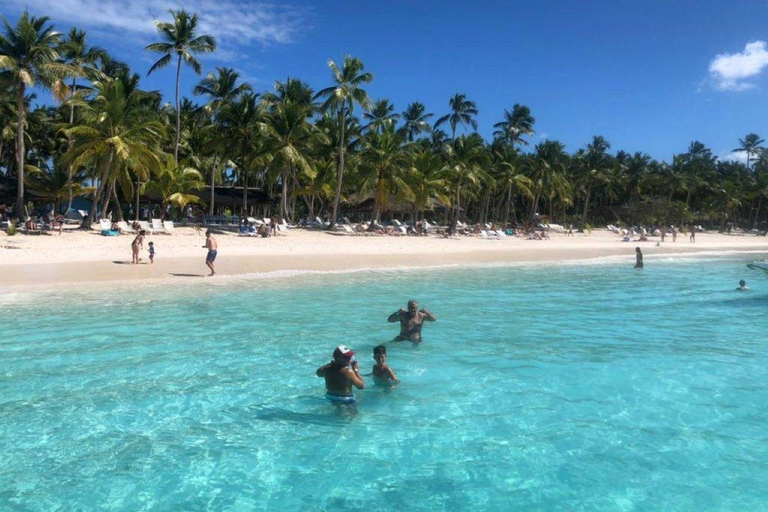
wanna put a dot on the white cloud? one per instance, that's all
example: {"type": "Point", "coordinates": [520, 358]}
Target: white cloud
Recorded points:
{"type": "Point", "coordinates": [728, 71]}
{"type": "Point", "coordinates": [737, 156]}
{"type": "Point", "coordinates": [233, 22]}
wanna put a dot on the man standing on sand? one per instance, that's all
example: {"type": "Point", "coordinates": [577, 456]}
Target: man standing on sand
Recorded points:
{"type": "Point", "coordinates": [213, 249]}
{"type": "Point", "coordinates": [411, 321]}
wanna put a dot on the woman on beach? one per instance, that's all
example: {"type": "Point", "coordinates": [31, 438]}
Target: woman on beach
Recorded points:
{"type": "Point", "coordinates": [136, 246]}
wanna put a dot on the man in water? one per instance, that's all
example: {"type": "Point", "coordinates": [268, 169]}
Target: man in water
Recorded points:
{"type": "Point", "coordinates": [742, 286]}
{"type": "Point", "coordinates": [213, 250]}
{"type": "Point", "coordinates": [639, 258]}
{"type": "Point", "coordinates": [340, 375]}
{"type": "Point", "coordinates": [411, 321]}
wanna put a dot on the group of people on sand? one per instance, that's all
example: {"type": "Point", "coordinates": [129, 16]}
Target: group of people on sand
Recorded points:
{"type": "Point", "coordinates": [343, 372]}
{"type": "Point", "coordinates": [210, 243]}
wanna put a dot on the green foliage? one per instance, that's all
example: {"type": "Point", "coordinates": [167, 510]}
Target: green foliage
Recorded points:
{"type": "Point", "coordinates": [660, 212]}
{"type": "Point", "coordinates": [11, 230]}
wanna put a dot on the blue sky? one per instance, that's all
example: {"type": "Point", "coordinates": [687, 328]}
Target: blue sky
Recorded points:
{"type": "Point", "coordinates": [648, 75]}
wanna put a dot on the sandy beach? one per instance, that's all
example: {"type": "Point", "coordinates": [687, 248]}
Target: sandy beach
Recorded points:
{"type": "Point", "coordinates": [80, 256]}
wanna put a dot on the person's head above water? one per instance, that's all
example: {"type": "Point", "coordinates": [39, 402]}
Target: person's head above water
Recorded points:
{"type": "Point", "coordinates": [413, 306]}
{"type": "Point", "coordinates": [742, 283]}
{"type": "Point", "coordinates": [637, 249]}
{"type": "Point", "coordinates": [343, 354]}
{"type": "Point", "coordinates": [378, 351]}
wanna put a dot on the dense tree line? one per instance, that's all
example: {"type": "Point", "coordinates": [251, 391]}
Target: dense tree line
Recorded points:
{"type": "Point", "coordinates": [329, 152]}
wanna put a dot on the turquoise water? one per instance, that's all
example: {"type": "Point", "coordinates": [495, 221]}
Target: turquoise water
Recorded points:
{"type": "Point", "coordinates": [568, 387]}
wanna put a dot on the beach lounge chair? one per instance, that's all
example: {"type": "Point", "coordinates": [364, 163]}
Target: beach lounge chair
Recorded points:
{"type": "Point", "coordinates": [157, 226]}
{"type": "Point", "coordinates": [106, 228]}
{"type": "Point", "coordinates": [168, 226]}
{"type": "Point", "coordinates": [124, 227]}
{"type": "Point", "coordinates": [144, 225]}
{"type": "Point", "coordinates": [501, 234]}
{"type": "Point", "coordinates": [489, 235]}
{"type": "Point", "coordinates": [255, 222]}
{"type": "Point", "coordinates": [347, 221]}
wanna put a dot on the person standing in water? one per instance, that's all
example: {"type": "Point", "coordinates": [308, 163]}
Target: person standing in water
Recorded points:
{"type": "Point", "coordinates": [639, 258]}
{"type": "Point", "coordinates": [340, 375]}
{"type": "Point", "coordinates": [213, 250]}
{"type": "Point", "coordinates": [411, 321]}
{"type": "Point", "coordinates": [742, 286]}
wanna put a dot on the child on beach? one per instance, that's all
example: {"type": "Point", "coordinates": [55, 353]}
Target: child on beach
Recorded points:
{"type": "Point", "coordinates": [151, 252]}
{"type": "Point", "coordinates": [383, 375]}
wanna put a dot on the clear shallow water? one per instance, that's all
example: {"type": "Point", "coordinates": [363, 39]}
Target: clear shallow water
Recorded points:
{"type": "Point", "coordinates": [570, 387]}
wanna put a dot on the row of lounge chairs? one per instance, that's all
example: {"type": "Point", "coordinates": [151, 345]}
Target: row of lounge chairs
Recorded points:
{"type": "Point", "coordinates": [158, 226]}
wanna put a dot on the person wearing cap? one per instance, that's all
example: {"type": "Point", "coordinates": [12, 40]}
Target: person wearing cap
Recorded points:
{"type": "Point", "coordinates": [411, 321]}
{"type": "Point", "coordinates": [340, 375]}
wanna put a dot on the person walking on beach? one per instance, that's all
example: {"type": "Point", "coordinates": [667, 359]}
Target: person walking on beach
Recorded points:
{"type": "Point", "coordinates": [674, 234]}
{"type": "Point", "coordinates": [136, 246]}
{"type": "Point", "coordinates": [411, 321]}
{"type": "Point", "coordinates": [151, 252]}
{"type": "Point", "coordinates": [340, 375]}
{"type": "Point", "coordinates": [693, 235]}
{"type": "Point", "coordinates": [213, 250]}
{"type": "Point", "coordinates": [639, 258]}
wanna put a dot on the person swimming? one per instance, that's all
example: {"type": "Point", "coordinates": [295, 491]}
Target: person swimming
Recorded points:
{"type": "Point", "coordinates": [411, 321]}
{"type": "Point", "coordinates": [383, 375]}
{"type": "Point", "coordinates": [742, 286]}
{"type": "Point", "coordinates": [341, 374]}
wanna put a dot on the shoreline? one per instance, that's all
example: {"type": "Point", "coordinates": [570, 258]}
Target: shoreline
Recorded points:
{"type": "Point", "coordinates": [296, 254]}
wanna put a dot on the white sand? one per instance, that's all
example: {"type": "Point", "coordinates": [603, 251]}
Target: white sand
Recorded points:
{"type": "Point", "coordinates": [78, 256]}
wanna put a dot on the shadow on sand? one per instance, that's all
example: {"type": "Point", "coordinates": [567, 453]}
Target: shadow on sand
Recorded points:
{"type": "Point", "coordinates": [186, 275]}
{"type": "Point", "coordinates": [117, 262]}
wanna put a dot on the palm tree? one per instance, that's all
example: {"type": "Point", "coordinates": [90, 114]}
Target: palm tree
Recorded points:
{"type": "Point", "coordinates": [384, 157]}
{"type": "Point", "coordinates": [463, 111]}
{"type": "Point", "coordinates": [221, 89]}
{"type": "Point", "coordinates": [83, 59]}
{"type": "Point", "coordinates": [117, 133]}
{"type": "Point", "coordinates": [507, 164]}
{"type": "Point", "coordinates": [341, 98]}
{"type": "Point", "coordinates": [415, 120]}
{"type": "Point", "coordinates": [751, 145]}
{"type": "Point", "coordinates": [289, 132]}
{"type": "Point", "coordinates": [466, 158]}
{"type": "Point", "coordinates": [426, 182]}
{"type": "Point", "coordinates": [382, 112]}
{"type": "Point", "coordinates": [173, 184]}
{"type": "Point", "coordinates": [516, 125]}
{"type": "Point", "coordinates": [595, 164]}
{"type": "Point", "coordinates": [180, 39]}
{"type": "Point", "coordinates": [28, 58]}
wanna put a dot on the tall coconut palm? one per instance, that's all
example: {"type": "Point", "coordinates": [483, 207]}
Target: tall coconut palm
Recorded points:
{"type": "Point", "coordinates": [290, 132]}
{"type": "Point", "coordinates": [221, 89]}
{"type": "Point", "coordinates": [341, 98]}
{"type": "Point", "coordinates": [83, 60]}
{"type": "Point", "coordinates": [751, 145]}
{"type": "Point", "coordinates": [382, 112]}
{"type": "Point", "coordinates": [595, 163]}
{"type": "Point", "coordinates": [466, 156]}
{"type": "Point", "coordinates": [463, 111]}
{"type": "Point", "coordinates": [507, 164]}
{"type": "Point", "coordinates": [386, 162]}
{"type": "Point", "coordinates": [180, 39]}
{"type": "Point", "coordinates": [426, 181]}
{"type": "Point", "coordinates": [516, 124]}
{"type": "Point", "coordinates": [117, 132]}
{"type": "Point", "coordinates": [415, 120]}
{"type": "Point", "coordinates": [28, 58]}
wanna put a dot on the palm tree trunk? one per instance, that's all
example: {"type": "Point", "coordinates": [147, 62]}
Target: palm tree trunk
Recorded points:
{"type": "Point", "coordinates": [757, 212]}
{"type": "Point", "coordinates": [340, 178]}
{"type": "Point", "coordinates": [98, 193]}
{"type": "Point", "coordinates": [117, 204]}
{"type": "Point", "coordinates": [138, 196]}
{"type": "Point", "coordinates": [586, 205]}
{"type": "Point", "coordinates": [245, 191]}
{"type": "Point", "coordinates": [21, 113]}
{"type": "Point", "coordinates": [509, 202]}
{"type": "Point", "coordinates": [213, 182]}
{"type": "Point", "coordinates": [69, 148]}
{"type": "Point", "coordinates": [108, 196]}
{"type": "Point", "coordinates": [178, 112]}
{"type": "Point", "coordinates": [284, 195]}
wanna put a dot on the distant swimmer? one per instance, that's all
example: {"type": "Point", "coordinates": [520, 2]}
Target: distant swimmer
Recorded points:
{"type": "Point", "coordinates": [742, 286]}
{"type": "Point", "coordinates": [639, 258]}
{"type": "Point", "coordinates": [383, 375]}
{"type": "Point", "coordinates": [411, 321]}
{"type": "Point", "coordinates": [340, 375]}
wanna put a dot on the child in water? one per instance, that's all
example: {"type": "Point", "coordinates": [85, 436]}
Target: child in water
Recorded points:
{"type": "Point", "coordinates": [151, 252]}
{"type": "Point", "coordinates": [382, 373]}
